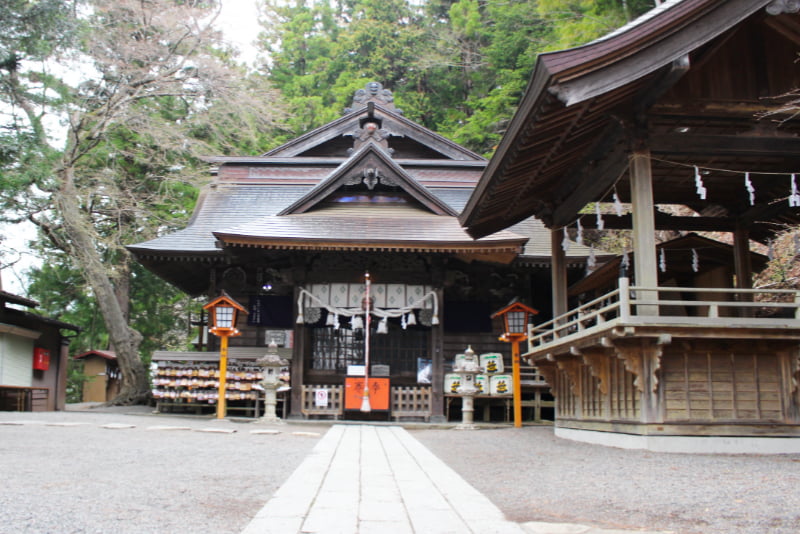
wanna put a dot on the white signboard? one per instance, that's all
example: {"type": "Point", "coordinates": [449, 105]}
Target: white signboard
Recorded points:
{"type": "Point", "coordinates": [321, 398]}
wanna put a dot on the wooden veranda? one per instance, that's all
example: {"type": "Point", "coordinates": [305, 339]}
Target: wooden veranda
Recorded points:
{"type": "Point", "coordinates": [688, 106]}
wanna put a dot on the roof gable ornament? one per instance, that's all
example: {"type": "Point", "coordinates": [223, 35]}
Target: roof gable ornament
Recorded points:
{"type": "Point", "coordinates": [370, 177]}
{"type": "Point", "coordinates": [776, 7]}
{"type": "Point", "coordinates": [373, 92]}
{"type": "Point", "coordinates": [371, 131]}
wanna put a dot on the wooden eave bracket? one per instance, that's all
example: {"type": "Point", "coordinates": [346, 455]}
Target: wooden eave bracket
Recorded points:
{"type": "Point", "coordinates": [643, 359]}
{"type": "Point", "coordinates": [572, 367]}
{"type": "Point", "coordinates": [599, 362]}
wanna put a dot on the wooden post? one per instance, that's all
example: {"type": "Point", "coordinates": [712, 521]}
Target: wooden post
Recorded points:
{"type": "Point", "coordinates": [743, 267]}
{"type": "Point", "coordinates": [517, 383]}
{"type": "Point", "coordinates": [741, 258]}
{"type": "Point", "coordinates": [644, 228]}
{"type": "Point", "coordinates": [223, 374]}
{"type": "Point", "coordinates": [437, 370]}
{"type": "Point", "coordinates": [624, 299]}
{"type": "Point", "coordinates": [297, 366]}
{"type": "Point", "coordinates": [558, 272]}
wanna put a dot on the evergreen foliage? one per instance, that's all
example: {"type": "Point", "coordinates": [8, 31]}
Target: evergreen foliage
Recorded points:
{"type": "Point", "coordinates": [457, 67]}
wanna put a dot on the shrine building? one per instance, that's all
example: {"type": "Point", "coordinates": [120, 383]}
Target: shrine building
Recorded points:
{"type": "Point", "coordinates": [292, 233]}
{"type": "Point", "coordinates": [683, 120]}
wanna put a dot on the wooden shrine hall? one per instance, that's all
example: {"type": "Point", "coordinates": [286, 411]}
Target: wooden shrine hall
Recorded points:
{"type": "Point", "coordinates": [687, 116]}
{"type": "Point", "coordinates": [290, 235]}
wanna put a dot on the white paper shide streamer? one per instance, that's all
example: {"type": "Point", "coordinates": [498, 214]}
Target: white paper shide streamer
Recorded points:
{"type": "Point", "coordinates": [600, 222]}
{"type": "Point", "coordinates": [662, 261]}
{"type": "Point", "coordinates": [617, 204]}
{"type": "Point", "coordinates": [794, 197]}
{"type": "Point", "coordinates": [591, 261]}
{"type": "Point", "coordinates": [750, 189]}
{"type": "Point", "coordinates": [695, 261]}
{"type": "Point", "coordinates": [698, 182]}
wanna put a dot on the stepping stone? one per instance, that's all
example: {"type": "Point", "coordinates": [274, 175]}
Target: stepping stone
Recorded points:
{"type": "Point", "coordinates": [217, 430]}
{"type": "Point", "coordinates": [66, 424]}
{"type": "Point", "coordinates": [117, 426]}
{"type": "Point", "coordinates": [309, 434]}
{"type": "Point", "coordinates": [265, 431]}
{"type": "Point", "coordinates": [166, 427]}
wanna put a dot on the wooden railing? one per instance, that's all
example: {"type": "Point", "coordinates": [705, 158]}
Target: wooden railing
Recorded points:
{"type": "Point", "coordinates": [411, 401]}
{"type": "Point", "coordinates": [648, 305]}
{"type": "Point", "coordinates": [335, 405]}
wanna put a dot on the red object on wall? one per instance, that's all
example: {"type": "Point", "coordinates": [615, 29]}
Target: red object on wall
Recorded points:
{"type": "Point", "coordinates": [41, 359]}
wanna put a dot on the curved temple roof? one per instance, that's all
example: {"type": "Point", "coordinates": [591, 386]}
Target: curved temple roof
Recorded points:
{"type": "Point", "coordinates": [685, 82]}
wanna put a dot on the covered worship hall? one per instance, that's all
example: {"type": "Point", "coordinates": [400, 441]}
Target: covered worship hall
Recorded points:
{"type": "Point", "coordinates": [683, 121]}
{"type": "Point", "coordinates": [292, 234]}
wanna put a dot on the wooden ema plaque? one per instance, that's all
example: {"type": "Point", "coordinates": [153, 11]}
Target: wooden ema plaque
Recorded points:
{"type": "Point", "coordinates": [354, 393]}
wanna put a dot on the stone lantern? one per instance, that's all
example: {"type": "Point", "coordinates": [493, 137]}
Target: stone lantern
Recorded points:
{"type": "Point", "coordinates": [467, 368]}
{"type": "Point", "coordinates": [271, 364]}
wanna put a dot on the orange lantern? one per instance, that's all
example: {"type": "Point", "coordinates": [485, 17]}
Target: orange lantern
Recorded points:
{"type": "Point", "coordinates": [223, 313]}
{"type": "Point", "coordinates": [516, 317]}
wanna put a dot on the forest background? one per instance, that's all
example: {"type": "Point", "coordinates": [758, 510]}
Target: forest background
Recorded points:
{"type": "Point", "coordinates": [113, 156]}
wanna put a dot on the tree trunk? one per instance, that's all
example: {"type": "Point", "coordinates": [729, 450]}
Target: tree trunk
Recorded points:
{"type": "Point", "coordinates": [135, 387]}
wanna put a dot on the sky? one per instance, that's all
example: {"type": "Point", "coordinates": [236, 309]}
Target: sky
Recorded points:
{"type": "Point", "coordinates": [238, 21]}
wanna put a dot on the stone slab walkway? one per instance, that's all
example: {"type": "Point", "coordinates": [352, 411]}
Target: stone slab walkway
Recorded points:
{"type": "Point", "coordinates": [362, 479]}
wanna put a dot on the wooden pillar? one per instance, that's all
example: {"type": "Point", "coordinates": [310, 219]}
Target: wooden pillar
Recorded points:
{"type": "Point", "coordinates": [558, 272]}
{"type": "Point", "coordinates": [743, 267]}
{"type": "Point", "coordinates": [297, 364]}
{"type": "Point", "coordinates": [61, 377]}
{"type": "Point", "coordinates": [644, 228]}
{"type": "Point", "coordinates": [437, 370]}
{"type": "Point", "coordinates": [741, 258]}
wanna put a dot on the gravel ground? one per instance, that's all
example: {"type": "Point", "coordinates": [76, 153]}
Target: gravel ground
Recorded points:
{"type": "Point", "coordinates": [533, 476]}
{"type": "Point", "coordinates": [90, 479]}
{"type": "Point", "coordinates": [63, 472]}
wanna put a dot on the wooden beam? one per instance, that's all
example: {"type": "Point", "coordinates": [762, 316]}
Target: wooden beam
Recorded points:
{"type": "Point", "coordinates": [591, 179]}
{"type": "Point", "coordinates": [723, 145]}
{"type": "Point", "coordinates": [788, 27]}
{"type": "Point", "coordinates": [663, 83]}
{"type": "Point", "coordinates": [664, 221]}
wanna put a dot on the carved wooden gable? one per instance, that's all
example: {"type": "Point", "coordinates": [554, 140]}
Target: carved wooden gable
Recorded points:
{"type": "Point", "coordinates": [369, 170]}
